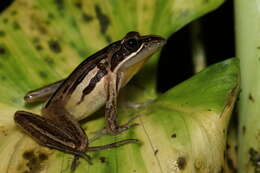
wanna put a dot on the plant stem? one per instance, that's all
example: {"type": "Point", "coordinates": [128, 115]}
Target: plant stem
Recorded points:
{"type": "Point", "coordinates": [247, 20]}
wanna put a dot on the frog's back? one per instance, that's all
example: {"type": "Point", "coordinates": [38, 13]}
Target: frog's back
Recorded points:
{"type": "Point", "coordinates": [83, 92]}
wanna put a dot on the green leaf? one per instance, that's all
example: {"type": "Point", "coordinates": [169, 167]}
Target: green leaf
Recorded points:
{"type": "Point", "coordinates": [43, 41]}
{"type": "Point", "coordinates": [184, 129]}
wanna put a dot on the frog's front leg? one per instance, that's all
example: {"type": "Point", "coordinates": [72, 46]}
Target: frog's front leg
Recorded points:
{"type": "Point", "coordinates": [112, 126]}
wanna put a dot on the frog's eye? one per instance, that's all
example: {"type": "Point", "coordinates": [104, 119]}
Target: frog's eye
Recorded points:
{"type": "Point", "coordinates": [131, 44]}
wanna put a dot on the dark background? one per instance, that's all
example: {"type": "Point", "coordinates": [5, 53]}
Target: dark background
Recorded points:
{"type": "Point", "coordinates": [217, 35]}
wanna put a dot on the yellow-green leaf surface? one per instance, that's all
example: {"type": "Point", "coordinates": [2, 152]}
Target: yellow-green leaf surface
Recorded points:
{"type": "Point", "coordinates": [42, 41]}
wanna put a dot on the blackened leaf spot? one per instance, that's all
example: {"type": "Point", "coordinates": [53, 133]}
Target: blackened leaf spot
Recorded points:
{"type": "Point", "coordinates": [38, 47]}
{"type": "Point", "coordinates": [28, 155]}
{"type": "Point", "coordinates": [78, 5]}
{"type": "Point", "coordinates": [102, 19]}
{"type": "Point", "coordinates": [43, 74]}
{"type": "Point", "coordinates": [43, 156]}
{"type": "Point", "coordinates": [255, 159]}
{"type": "Point", "coordinates": [155, 152]}
{"type": "Point", "coordinates": [50, 16]}
{"type": "Point", "coordinates": [2, 51]}
{"type": "Point", "coordinates": [34, 161]}
{"type": "Point", "coordinates": [5, 20]}
{"type": "Point", "coordinates": [16, 26]}
{"type": "Point", "coordinates": [221, 169]}
{"type": "Point", "coordinates": [108, 39]}
{"type": "Point", "coordinates": [228, 146]}
{"type": "Point", "coordinates": [2, 33]}
{"type": "Point", "coordinates": [102, 159]}
{"type": "Point", "coordinates": [54, 46]}
{"type": "Point", "coordinates": [230, 164]}
{"type": "Point", "coordinates": [174, 135]}
{"type": "Point", "coordinates": [251, 98]}
{"type": "Point", "coordinates": [13, 13]}
{"type": "Point", "coordinates": [236, 148]}
{"type": "Point", "coordinates": [87, 17]}
{"type": "Point", "coordinates": [244, 130]}
{"type": "Point", "coordinates": [181, 161]}
{"type": "Point", "coordinates": [49, 61]}
{"type": "Point", "coordinates": [60, 5]}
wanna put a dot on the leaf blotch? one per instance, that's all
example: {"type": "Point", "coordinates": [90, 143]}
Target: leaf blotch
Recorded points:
{"type": "Point", "coordinates": [60, 5]}
{"type": "Point", "coordinates": [50, 16]}
{"type": "Point", "coordinates": [78, 5]}
{"type": "Point", "coordinates": [2, 51]}
{"type": "Point", "coordinates": [236, 148]}
{"type": "Point", "coordinates": [28, 155]}
{"type": "Point", "coordinates": [38, 47]}
{"type": "Point", "coordinates": [43, 156]}
{"type": "Point", "coordinates": [3, 131]}
{"type": "Point", "coordinates": [221, 169]}
{"type": "Point", "coordinates": [102, 159]}
{"type": "Point", "coordinates": [244, 130]}
{"type": "Point", "coordinates": [228, 147]}
{"type": "Point", "coordinates": [5, 20]}
{"type": "Point", "coordinates": [14, 13]}
{"type": "Point", "coordinates": [16, 26]}
{"type": "Point", "coordinates": [156, 152]}
{"type": "Point", "coordinates": [181, 162]}
{"type": "Point", "coordinates": [251, 98]}
{"type": "Point", "coordinates": [173, 135]}
{"type": "Point", "coordinates": [255, 159]}
{"type": "Point", "coordinates": [87, 18]}
{"type": "Point", "coordinates": [2, 33]}
{"type": "Point", "coordinates": [34, 161]}
{"type": "Point", "coordinates": [102, 19]}
{"type": "Point", "coordinates": [43, 74]}
{"type": "Point", "coordinates": [49, 61]}
{"type": "Point", "coordinates": [230, 164]}
{"type": "Point", "coordinates": [108, 38]}
{"type": "Point", "coordinates": [54, 46]}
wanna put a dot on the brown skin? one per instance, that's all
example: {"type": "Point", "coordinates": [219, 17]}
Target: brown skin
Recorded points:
{"type": "Point", "coordinates": [100, 76]}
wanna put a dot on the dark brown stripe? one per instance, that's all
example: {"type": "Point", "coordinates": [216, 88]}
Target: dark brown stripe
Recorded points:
{"type": "Point", "coordinates": [81, 78]}
{"type": "Point", "coordinates": [117, 58]}
{"type": "Point", "coordinates": [76, 77]}
{"type": "Point", "coordinates": [92, 84]}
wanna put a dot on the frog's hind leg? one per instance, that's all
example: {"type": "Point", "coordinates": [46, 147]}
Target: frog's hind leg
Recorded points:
{"type": "Point", "coordinates": [43, 93]}
{"type": "Point", "coordinates": [48, 133]}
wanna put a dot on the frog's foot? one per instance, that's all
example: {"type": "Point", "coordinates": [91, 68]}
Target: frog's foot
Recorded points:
{"type": "Point", "coordinates": [118, 129]}
{"type": "Point", "coordinates": [75, 161]}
